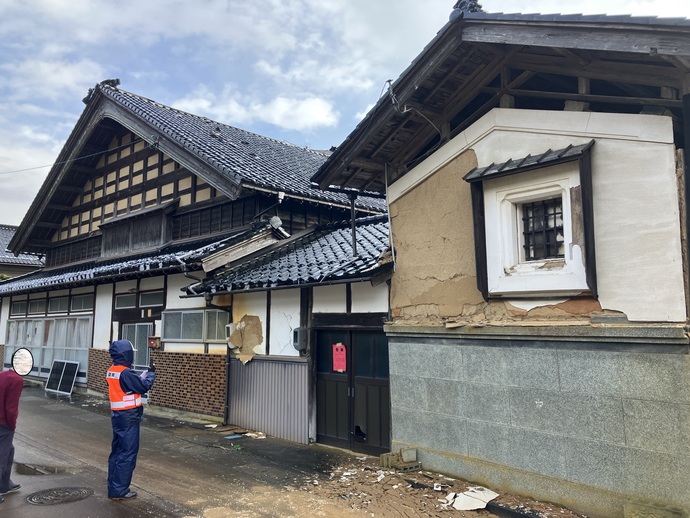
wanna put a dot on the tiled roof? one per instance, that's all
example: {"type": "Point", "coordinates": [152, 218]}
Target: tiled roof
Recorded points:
{"type": "Point", "coordinates": [169, 259]}
{"type": "Point", "coordinates": [321, 256]}
{"type": "Point", "coordinates": [6, 257]}
{"type": "Point", "coordinates": [252, 159]}
{"type": "Point", "coordinates": [511, 166]}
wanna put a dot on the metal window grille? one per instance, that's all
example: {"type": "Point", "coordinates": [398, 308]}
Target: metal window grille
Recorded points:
{"type": "Point", "coordinates": [542, 223]}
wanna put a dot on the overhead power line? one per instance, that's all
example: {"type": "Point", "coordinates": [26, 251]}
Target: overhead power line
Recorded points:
{"type": "Point", "coordinates": [73, 159]}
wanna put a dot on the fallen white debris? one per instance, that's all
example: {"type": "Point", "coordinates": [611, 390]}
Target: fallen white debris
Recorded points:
{"type": "Point", "coordinates": [474, 498]}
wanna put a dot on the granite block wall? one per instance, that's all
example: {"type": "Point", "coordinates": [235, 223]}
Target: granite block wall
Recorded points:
{"type": "Point", "coordinates": [591, 429]}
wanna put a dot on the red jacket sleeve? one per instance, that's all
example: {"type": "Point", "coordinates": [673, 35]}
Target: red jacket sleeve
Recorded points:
{"type": "Point", "coordinates": [13, 385]}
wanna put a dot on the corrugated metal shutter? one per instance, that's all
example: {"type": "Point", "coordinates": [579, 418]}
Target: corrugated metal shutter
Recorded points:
{"type": "Point", "coordinates": [271, 396]}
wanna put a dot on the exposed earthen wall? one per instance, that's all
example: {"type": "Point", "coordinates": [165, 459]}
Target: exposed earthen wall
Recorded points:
{"type": "Point", "coordinates": [435, 279]}
{"type": "Point", "coordinates": [432, 232]}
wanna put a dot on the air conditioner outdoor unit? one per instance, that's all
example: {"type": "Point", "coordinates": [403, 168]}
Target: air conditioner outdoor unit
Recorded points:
{"type": "Point", "coordinates": [299, 338]}
{"type": "Point", "coordinates": [229, 330]}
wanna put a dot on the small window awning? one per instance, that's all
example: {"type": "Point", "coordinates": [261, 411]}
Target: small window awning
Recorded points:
{"type": "Point", "coordinates": [548, 158]}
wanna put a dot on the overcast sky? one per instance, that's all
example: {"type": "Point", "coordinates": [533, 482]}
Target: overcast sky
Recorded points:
{"type": "Point", "coordinates": [303, 71]}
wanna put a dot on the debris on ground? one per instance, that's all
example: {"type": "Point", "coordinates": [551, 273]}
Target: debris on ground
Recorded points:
{"type": "Point", "coordinates": [364, 485]}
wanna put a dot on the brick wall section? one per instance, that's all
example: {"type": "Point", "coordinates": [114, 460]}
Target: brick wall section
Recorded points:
{"type": "Point", "coordinates": [2, 357]}
{"type": "Point", "coordinates": [184, 381]}
{"type": "Point", "coordinates": [99, 363]}
{"type": "Point", "coordinates": [190, 382]}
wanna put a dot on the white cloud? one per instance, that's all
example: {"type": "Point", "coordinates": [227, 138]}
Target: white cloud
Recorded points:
{"type": "Point", "coordinates": [32, 78]}
{"type": "Point", "coordinates": [305, 67]}
{"type": "Point", "coordinates": [298, 114]}
{"type": "Point", "coordinates": [662, 8]}
{"type": "Point", "coordinates": [301, 114]}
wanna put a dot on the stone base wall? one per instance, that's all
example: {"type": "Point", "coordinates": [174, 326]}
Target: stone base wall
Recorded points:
{"type": "Point", "coordinates": [593, 426]}
{"type": "Point", "coordinates": [184, 381]}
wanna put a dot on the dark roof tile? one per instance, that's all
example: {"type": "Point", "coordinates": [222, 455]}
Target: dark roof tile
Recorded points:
{"type": "Point", "coordinates": [248, 157]}
{"type": "Point", "coordinates": [7, 257]}
{"type": "Point", "coordinates": [320, 256]}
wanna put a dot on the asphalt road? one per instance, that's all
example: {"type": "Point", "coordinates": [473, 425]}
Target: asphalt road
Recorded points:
{"type": "Point", "coordinates": [185, 468]}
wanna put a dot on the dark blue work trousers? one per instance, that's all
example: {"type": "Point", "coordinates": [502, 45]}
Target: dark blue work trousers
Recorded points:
{"type": "Point", "coordinates": [6, 458]}
{"type": "Point", "coordinates": [123, 455]}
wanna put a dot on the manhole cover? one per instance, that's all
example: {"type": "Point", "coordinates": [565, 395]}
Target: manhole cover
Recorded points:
{"type": "Point", "coordinates": [59, 495]}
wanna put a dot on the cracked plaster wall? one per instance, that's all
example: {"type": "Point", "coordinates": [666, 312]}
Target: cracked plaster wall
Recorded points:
{"type": "Point", "coordinates": [636, 217]}
{"type": "Point", "coordinates": [435, 278]}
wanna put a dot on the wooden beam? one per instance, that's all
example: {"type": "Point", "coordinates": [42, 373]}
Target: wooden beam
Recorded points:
{"type": "Point", "coordinates": [421, 107]}
{"type": "Point", "coordinates": [668, 103]}
{"type": "Point", "coordinates": [681, 62]}
{"type": "Point", "coordinates": [636, 73]}
{"type": "Point", "coordinates": [469, 54]}
{"type": "Point", "coordinates": [367, 163]}
{"type": "Point", "coordinates": [685, 87]}
{"type": "Point", "coordinates": [45, 224]}
{"type": "Point", "coordinates": [580, 57]}
{"type": "Point", "coordinates": [70, 188]}
{"type": "Point", "coordinates": [58, 207]}
{"type": "Point", "coordinates": [461, 98]}
{"type": "Point", "coordinates": [610, 39]}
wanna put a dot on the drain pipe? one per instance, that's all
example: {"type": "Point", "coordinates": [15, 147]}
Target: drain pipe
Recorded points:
{"type": "Point", "coordinates": [353, 197]}
{"type": "Point", "coordinates": [686, 175]}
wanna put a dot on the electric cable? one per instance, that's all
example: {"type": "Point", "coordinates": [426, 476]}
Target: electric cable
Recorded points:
{"type": "Point", "coordinates": [71, 160]}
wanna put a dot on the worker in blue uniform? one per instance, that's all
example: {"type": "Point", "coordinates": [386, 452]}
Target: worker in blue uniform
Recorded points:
{"type": "Point", "coordinates": [125, 388]}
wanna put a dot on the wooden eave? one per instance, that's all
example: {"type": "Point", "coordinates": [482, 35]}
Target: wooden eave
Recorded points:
{"type": "Point", "coordinates": [614, 65]}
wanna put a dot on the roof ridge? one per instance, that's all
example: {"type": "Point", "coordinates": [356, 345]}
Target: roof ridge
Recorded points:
{"type": "Point", "coordinates": [108, 89]}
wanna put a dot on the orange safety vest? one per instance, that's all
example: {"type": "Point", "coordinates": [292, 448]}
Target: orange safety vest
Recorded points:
{"type": "Point", "coordinates": [119, 399]}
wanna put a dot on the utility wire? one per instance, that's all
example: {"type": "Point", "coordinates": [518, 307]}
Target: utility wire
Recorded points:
{"type": "Point", "coordinates": [72, 160]}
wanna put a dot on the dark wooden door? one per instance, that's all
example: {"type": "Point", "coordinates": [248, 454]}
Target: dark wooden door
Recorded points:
{"type": "Point", "coordinates": [353, 406]}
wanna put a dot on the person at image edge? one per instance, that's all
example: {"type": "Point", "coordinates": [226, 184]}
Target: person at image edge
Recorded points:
{"type": "Point", "coordinates": [11, 385]}
{"type": "Point", "coordinates": [125, 388]}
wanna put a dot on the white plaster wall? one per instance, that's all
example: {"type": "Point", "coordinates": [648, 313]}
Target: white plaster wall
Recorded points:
{"type": "Point", "coordinates": [125, 286]}
{"type": "Point", "coordinates": [285, 310]}
{"type": "Point", "coordinates": [330, 299]}
{"type": "Point", "coordinates": [102, 316]}
{"type": "Point", "coordinates": [173, 300]}
{"type": "Point", "coordinates": [4, 315]}
{"type": "Point", "coordinates": [636, 213]}
{"type": "Point", "coordinates": [369, 299]}
{"type": "Point", "coordinates": [84, 289]}
{"type": "Point", "coordinates": [253, 303]}
{"type": "Point", "coordinates": [152, 283]}
{"type": "Point", "coordinates": [174, 347]}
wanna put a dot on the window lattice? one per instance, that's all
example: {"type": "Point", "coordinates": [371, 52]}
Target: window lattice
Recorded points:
{"type": "Point", "coordinates": [542, 229]}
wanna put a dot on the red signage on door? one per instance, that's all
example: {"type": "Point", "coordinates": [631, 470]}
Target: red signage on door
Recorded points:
{"type": "Point", "coordinates": [339, 358]}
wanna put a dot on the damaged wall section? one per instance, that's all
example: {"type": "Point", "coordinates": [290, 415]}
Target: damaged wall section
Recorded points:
{"type": "Point", "coordinates": [636, 222]}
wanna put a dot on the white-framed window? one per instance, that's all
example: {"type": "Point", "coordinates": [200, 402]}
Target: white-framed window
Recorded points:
{"type": "Point", "coordinates": [202, 325]}
{"type": "Point", "coordinates": [126, 301]}
{"type": "Point", "coordinates": [82, 302]}
{"type": "Point", "coordinates": [59, 338]}
{"type": "Point", "coordinates": [58, 305]}
{"type": "Point", "coordinates": [149, 299]}
{"type": "Point", "coordinates": [37, 306]}
{"type": "Point", "coordinates": [215, 325]}
{"type": "Point", "coordinates": [536, 236]}
{"type": "Point", "coordinates": [18, 307]}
